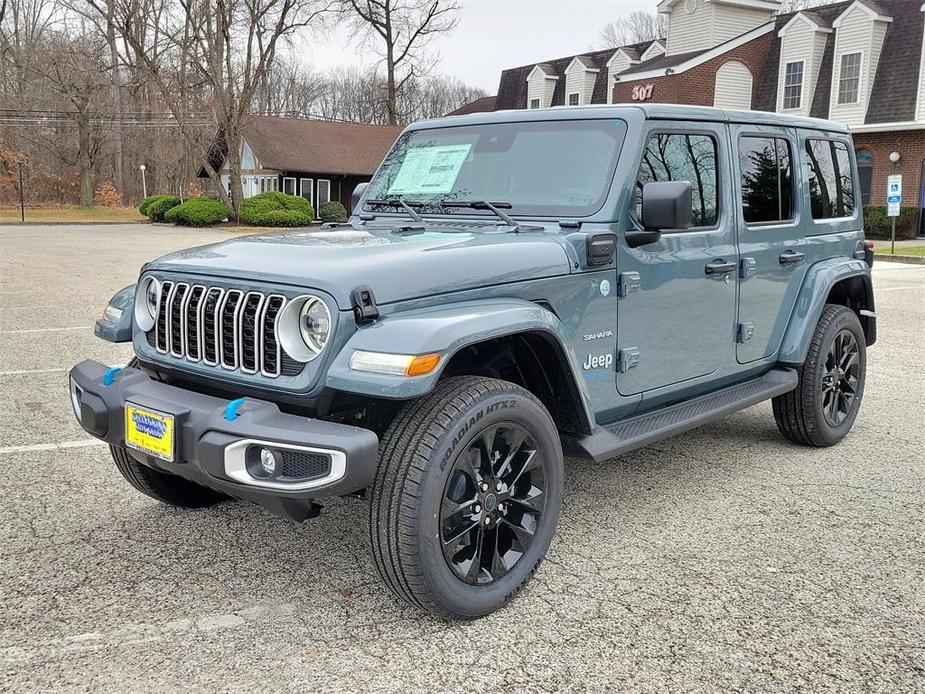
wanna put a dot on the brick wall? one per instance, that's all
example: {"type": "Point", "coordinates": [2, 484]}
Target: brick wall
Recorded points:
{"type": "Point", "coordinates": [911, 145]}
{"type": "Point", "coordinates": [697, 85]}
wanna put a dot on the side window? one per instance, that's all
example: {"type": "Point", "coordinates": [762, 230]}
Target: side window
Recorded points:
{"type": "Point", "coordinates": [677, 157]}
{"type": "Point", "coordinates": [831, 184]}
{"type": "Point", "coordinates": [767, 179]}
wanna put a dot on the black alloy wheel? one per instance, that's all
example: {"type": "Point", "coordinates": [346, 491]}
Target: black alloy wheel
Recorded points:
{"type": "Point", "coordinates": [492, 504]}
{"type": "Point", "coordinates": [840, 380]}
{"type": "Point", "coordinates": [466, 497]}
{"type": "Point", "coordinates": [823, 407]}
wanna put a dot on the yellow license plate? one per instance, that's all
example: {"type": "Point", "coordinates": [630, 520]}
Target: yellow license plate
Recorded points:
{"type": "Point", "coordinates": [149, 431]}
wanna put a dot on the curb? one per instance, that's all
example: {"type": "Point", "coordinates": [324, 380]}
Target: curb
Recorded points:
{"type": "Point", "coordinates": [69, 224]}
{"type": "Point", "coordinates": [908, 259]}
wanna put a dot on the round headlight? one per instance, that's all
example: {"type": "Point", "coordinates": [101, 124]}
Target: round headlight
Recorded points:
{"type": "Point", "coordinates": [147, 303]}
{"type": "Point", "coordinates": [304, 327]}
{"type": "Point", "coordinates": [315, 324]}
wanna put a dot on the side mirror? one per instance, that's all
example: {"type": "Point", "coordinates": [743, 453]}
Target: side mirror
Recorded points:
{"type": "Point", "coordinates": [356, 196]}
{"type": "Point", "coordinates": [665, 205]}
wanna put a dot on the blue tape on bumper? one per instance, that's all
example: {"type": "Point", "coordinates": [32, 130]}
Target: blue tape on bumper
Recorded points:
{"type": "Point", "coordinates": [110, 375]}
{"type": "Point", "coordinates": [231, 409]}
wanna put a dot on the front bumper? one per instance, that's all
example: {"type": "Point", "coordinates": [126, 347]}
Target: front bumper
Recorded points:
{"type": "Point", "coordinates": [210, 445]}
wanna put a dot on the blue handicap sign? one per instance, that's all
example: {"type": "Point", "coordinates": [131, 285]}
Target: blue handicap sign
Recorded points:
{"type": "Point", "coordinates": [895, 198]}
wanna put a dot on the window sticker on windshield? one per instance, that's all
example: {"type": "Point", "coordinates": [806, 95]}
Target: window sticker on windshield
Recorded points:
{"type": "Point", "coordinates": [430, 170]}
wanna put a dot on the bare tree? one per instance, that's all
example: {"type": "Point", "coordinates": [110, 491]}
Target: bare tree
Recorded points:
{"type": "Point", "coordinates": [794, 5]}
{"type": "Point", "coordinates": [404, 28]}
{"type": "Point", "coordinates": [102, 15]}
{"type": "Point", "coordinates": [23, 26]}
{"type": "Point", "coordinates": [633, 28]}
{"type": "Point", "coordinates": [232, 45]}
{"type": "Point", "coordinates": [74, 67]}
{"type": "Point", "coordinates": [89, 87]}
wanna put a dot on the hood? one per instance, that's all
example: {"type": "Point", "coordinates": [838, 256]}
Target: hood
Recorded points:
{"type": "Point", "coordinates": [395, 265]}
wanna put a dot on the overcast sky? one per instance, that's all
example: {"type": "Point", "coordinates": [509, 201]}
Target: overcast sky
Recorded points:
{"type": "Point", "coordinates": [497, 34]}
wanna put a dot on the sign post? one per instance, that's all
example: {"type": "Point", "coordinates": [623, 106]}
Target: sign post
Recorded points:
{"type": "Point", "coordinates": [22, 196]}
{"type": "Point", "coordinates": [894, 198]}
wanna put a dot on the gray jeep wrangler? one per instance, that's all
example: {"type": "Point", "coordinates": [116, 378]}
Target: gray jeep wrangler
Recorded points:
{"type": "Point", "coordinates": [511, 285]}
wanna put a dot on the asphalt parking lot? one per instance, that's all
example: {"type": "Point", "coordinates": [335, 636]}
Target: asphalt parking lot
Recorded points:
{"type": "Point", "coordinates": [726, 559]}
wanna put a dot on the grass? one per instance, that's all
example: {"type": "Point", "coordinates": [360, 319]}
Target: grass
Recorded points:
{"type": "Point", "coordinates": [902, 250]}
{"type": "Point", "coordinates": [52, 215]}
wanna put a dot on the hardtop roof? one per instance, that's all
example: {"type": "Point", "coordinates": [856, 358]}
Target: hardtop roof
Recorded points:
{"type": "Point", "coordinates": [648, 111]}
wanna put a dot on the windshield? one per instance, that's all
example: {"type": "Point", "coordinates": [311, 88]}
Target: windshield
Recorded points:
{"type": "Point", "coordinates": [545, 168]}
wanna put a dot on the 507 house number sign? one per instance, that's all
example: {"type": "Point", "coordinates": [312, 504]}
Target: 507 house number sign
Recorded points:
{"type": "Point", "coordinates": [643, 92]}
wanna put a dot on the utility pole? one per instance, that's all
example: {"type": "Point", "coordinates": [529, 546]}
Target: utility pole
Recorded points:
{"type": "Point", "coordinates": [22, 195]}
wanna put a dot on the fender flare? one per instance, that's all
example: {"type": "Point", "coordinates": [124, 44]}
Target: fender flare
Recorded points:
{"type": "Point", "coordinates": [818, 283]}
{"type": "Point", "coordinates": [116, 324]}
{"type": "Point", "coordinates": [445, 329]}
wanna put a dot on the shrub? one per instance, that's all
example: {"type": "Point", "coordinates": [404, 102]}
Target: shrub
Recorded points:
{"type": "Point", "coordinates": [143, 207]}
{"type": "Point", "coordinates": [332, 211]}
{"type": "Point", "coordinates": [106, 195]}
{"type": "Point", "coordinates": [156, 206]}
{"type": "Point", "coordinates": [275, 209]}
{"type": "Point", "coordinates": [877, 224]}
{"type": "Point", "coordinates": [198, 212]}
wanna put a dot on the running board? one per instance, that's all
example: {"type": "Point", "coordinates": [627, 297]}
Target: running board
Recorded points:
{"type": "Point", "coordinates": [642, 430]}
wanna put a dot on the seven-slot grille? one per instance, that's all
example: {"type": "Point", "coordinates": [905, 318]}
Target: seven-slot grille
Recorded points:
{"type": "Point", "coordinates": [215, 326]}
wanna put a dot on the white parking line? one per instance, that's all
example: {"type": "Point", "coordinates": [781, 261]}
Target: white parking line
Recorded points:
{"type": "Point", "coordinates": [23, 372]}
{"type": "Point", "coordinates": [82, 443]}
{"type": "Point", "coordinates": [44, 330]}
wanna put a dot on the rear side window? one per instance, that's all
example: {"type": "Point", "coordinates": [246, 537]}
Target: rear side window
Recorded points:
{"type": "Point", "coordinates": [677, 157]}
{"type": "Point", "coordinates": [831, 184]}
{"type": "Point", "coordinates": [767, 179]}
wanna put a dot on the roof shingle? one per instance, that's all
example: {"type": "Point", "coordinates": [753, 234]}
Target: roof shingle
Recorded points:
{"type": "Point", "coordinates": [298, 144]}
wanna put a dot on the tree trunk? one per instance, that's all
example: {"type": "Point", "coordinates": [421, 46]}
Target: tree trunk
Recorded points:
{"type": "Point", "coordinates": [84, 163]}
{"type": "Point", "coordinates": [115, 77]}
{"type": "Point", "coordinates": [392, 92]}
{"type": "Point", "coordinates": [233, 162]}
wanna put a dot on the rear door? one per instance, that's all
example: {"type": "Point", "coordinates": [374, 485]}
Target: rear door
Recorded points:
{"type": "Point", "coordinates": [677, 305]}
{"type": "Point", "coordinates": [772, 243]}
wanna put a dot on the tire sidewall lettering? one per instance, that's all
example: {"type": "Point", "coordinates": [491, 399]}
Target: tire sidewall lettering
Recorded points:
{"type": "Point", "coordinates": [470, 426]}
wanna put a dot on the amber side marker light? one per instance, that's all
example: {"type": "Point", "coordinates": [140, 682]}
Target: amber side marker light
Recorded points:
{"type": "Point", "coordinates": [422, 365]}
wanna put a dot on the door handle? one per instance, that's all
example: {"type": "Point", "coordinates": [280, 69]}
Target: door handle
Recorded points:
{"type": "Point", "coordinates": [790, 257]}
{"type": "Point", "coordinates": [721, 267]}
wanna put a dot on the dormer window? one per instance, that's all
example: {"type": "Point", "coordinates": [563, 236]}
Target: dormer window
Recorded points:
{"type": "Point", "coordinates": [580, 77]}
{"type": "Point", "coordinates": [849, 79]}
{"type": "Point", "coordinates": [541, 85]}
{"type": "Point", "coordinates": [793, 86]}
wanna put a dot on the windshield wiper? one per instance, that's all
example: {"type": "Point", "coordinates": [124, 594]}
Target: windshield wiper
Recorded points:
{"type": "Point", "coordinates": [398, 202]}
{"type": "Point", "coordinates": [483, 205]}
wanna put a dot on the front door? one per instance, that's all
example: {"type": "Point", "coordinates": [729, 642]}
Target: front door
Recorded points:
{"type": "Point", "coordinates": [679, 323]}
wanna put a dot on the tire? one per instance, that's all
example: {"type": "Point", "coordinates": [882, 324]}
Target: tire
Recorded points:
{"type": "Point", "coordinates": [423, 474]}
{"type": "Point", "coordinates": [805, 415]}
{"type": "Point", "coordinates": [161, 486]}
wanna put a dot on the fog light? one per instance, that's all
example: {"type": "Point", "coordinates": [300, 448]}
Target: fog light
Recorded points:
{"type": "Point", "coordinates": [267, 461]}
{"type": "Point", "coordinates": [76, 392]}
